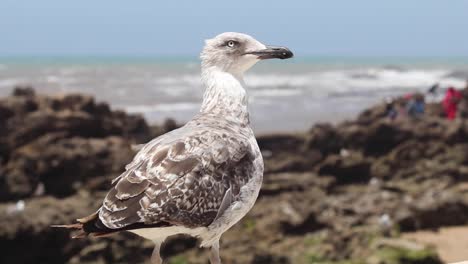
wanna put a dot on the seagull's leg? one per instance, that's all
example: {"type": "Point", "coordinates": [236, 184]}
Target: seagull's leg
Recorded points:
{"type": "Point", "coordinates": [156, 256]}
{"type": "Point", "coordinates": [214, 255]}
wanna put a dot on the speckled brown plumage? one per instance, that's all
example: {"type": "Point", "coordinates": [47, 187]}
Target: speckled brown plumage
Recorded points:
{"type": "Point", "coordinates": [182, 177]}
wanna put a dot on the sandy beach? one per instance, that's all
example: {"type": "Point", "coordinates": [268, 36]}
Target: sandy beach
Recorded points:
{"type": "Point", "coordinates": [451, 242]}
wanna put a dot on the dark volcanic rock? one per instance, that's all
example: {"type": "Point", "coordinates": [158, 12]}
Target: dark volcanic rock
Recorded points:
{"type": "Point", "coordinates": [27, 236]}
{"type": "Point", "coordinates": [27, 116]}
{"type": "Point", "coordinates": [328, 193]}
{"type": "Point", "coordinates": [374, 139]}
{"type": "Point", "coordinates": [324, 138]}
{"type": "Point", "coordinates": [58, 143]}
{"type": "Point", "coordinates": [270, 259]}
{"type": "Point", "coordinates": [283, 153]}
{"type": "Point", "coordinates": [64, 165]}
{"type": "Point", "coordinates": [349, 168]}
{"type": "Point", "coordinates": [455, 213]}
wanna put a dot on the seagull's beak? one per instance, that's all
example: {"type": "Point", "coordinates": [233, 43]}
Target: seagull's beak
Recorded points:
{"type": "Point", "coordinates": [272, 52]}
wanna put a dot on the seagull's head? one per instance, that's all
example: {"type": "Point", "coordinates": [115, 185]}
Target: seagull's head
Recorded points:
{"type": "Point", "coordinates": [236, 52]}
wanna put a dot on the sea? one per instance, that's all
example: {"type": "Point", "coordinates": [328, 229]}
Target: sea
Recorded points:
{"type": "Point", "coordinates": [285, 96]}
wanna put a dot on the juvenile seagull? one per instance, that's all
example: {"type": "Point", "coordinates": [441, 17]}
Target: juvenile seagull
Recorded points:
{"type": "Point", "coordinates": [199, 179]}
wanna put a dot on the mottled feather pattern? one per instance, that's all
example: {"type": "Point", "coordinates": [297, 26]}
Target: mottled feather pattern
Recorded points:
{"type": "Point", "coordinates": [182, 177]}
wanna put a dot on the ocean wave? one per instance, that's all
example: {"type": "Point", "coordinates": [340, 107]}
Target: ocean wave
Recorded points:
{"type": "Point", "coordinates": [179, 85]}
{"type": "Point", "coordinates": [276, 92]}
{"type": "Point", "coordinates": [458, 74]}
{"type": "Point", "coordinates": [8, 83]}
{"type": "Point", "coordinates": [183, 106]}
{"type": "Point", "coordinates": [351, 80]}
{"type": "Point", "coordinates": [61, 80]}
{"type": "Point", "coordinates": [182, 79]}
{"type": "Point", "coordinates": [328, 81]}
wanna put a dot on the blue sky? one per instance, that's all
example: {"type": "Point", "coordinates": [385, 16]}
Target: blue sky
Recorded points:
{"type": "Point", "coordinates": [149, 27]}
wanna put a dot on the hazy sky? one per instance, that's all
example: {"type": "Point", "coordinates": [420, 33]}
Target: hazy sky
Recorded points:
{"type": "Point", "coordinates": [150, 27]}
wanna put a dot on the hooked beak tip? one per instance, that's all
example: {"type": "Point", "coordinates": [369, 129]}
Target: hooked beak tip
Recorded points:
{"type": "Point", "coordinates": [272, 52]}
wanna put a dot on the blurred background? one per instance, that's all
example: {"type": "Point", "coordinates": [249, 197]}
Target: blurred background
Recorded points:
{"type": "Point", "coordinates": [363, 132]}
{"type": "Point", "coordinates": [144, 57]}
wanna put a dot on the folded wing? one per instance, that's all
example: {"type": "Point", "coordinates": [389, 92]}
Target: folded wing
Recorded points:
{"type": "Point", "coordinates": [179, 181]}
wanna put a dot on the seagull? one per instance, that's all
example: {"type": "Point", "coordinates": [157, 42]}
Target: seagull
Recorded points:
{"type": "Point", "coordinates": [199, 179]}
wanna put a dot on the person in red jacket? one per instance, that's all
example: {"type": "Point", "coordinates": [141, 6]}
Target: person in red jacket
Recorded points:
{"type": "Point", "coordinates": [450, 102]}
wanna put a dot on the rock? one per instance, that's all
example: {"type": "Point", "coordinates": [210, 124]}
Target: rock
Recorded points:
{"type": "Point", "coordinates": [369, 116]}
{"type": "Point", "coordinates": [277, 183]}
{"type": "Point", "coordinates": [352, 168]}
{"type": "Point", "coordinates": [270, 259]}
{"type": "Point", "coordinates": [376, 139]}
{"type": "Point", "coordinates": [324, 138]}
{"type": "Point", "coordinates": [404, 156]}
{"type": "Point", "coordinates": [329, 193]}
{"type": "Point", "coordinates": [61, 142]}
{"type": "Point", "coordinates": [425, 214]}
{"type": "Point", "coordinates": [281, 142]}
{"type": "Point", "coordinates": [63, 166]}
{"type": "Point", "coordinates": [26, 91]}
{"type": "Point", "coordinates": [287, 153]}
{"type": "Point", "coordinates": [27, 236]}
{"type": "Point", "coordinates": [28, 117]}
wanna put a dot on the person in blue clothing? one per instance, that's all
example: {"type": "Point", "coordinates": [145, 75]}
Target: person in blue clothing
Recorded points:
{"type": "Point", "coordinates": [390, 109]}
{"type": "Point", "coordinates": [416, 106]}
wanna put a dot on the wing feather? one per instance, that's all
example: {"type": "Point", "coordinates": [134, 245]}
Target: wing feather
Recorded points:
{"type": "Point", "coordinates": [180, 178]}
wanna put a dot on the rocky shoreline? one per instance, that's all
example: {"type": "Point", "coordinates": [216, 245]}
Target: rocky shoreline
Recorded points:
{"type": "Point", "coordinates": [334, 194]}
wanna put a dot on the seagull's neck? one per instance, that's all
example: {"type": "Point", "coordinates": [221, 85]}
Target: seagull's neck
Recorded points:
{"type": "Point", "coordinates": [224, 95]}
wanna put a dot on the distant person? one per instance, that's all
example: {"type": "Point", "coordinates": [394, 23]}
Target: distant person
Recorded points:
{"type": "Point", "coordinates": [390, 111]}
{"type": "Point", "coordinates": [401, 109]}
{"type": "Point", "coordinates": [433, 89]}
{"type": "Point", "coordinates": [415, 106]}
{"type": "Point", "coordinates": [450, 102]}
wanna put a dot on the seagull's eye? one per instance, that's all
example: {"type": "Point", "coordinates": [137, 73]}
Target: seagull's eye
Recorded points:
{"type": "Point", "coordinates": [231, 43]}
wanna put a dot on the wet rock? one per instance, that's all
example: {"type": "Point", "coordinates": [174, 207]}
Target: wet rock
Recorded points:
{"type": "Point", "coordinates": [324, 138]}
{"type": "Point", "coordinates": [307, 225]}
{"type": "Point", "coordinates": [325, 193]}
{"type": "Point", "coordinates": [65, 165]}
{"type": "Point", "coordinates": [284, 153]}
{"type": "Point", "coordinates": [281, 143]}
{"type": "Point", "coordinates": [26, 91]}
{"type": "Point", "coordinates": [379, 138]}
{"type": "Point", "coordinates": [61, 142]}
{"type": "Point", "coordinates": [27, 236]}
{"type": "Point", "coordinates": [426, 214]}
{"type": "Point", "coordinates": [28, 117]}
{"type": "Point", "coordinates": [351, 168]}
{"type": "Point", "coordinates": [269, 258]}
{"type": "Point", "coordinates": [277, 183]}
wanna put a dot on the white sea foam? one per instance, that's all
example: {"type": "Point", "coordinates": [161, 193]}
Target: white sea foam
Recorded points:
{"type": "Point", "coordinates": [161, 107]}
{"type": "Point", "coordinates": [8, 83]}
{"type": "Point", "coordinates": [326, 82]}
{"type": "Point", "coordinates": [160, 91]}
{"type": "Point", "coordinates": [275, 92]}
{"type": "Point", "coordinates": [183, 79]}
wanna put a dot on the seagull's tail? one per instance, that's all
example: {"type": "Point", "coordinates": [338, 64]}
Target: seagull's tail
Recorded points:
{"type": "Point", "coordinates": [77, 226]}
{"type": "Point", "coordinates": [87, 226]}
{"type": "Point", "coordinates": [93, 226]}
